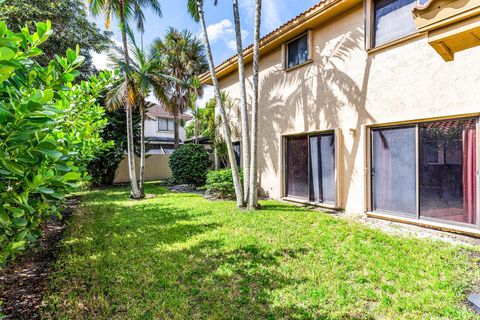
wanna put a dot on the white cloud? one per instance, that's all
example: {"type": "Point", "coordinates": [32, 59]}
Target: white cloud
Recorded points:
{"type": "Point", "coordinates": [232, 45]}
{"type": "Point", "coordinates": [271, 14]}
{"type": "Point", "coordinates": [220, 30]}
{"type": "Point", "coordinates": [224, 31]}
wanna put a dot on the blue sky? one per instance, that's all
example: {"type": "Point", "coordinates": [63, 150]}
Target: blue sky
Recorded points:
{"type": "Point", "coordinates": [219, 20]}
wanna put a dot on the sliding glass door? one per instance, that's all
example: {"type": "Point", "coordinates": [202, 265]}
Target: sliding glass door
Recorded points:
{"type": "Point", "coordinates": [310, 168]}
{"type": "Point", "coordinates": [438, 156]}
{"type": "Point", "coordinates": [448, 170]}
{"type": "Point", "coordinates": [297, 167]}
{"type": "Point", "coordinates": [322, 168]}
{"type": "Point", "coordinates": [394, 170]}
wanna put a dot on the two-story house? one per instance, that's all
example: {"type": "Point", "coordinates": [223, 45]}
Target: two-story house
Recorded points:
{"type": "Point", "coordinates": [159, 131]}
{"type": "Point", "coordinates": [372, 107]}
{"type": "Point", "coordinates": [159, 141]}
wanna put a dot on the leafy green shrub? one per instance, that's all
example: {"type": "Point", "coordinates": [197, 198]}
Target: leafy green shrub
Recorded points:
{"type": "Point", "coordinates": [102, 169]}
{"type": "Point", "coordinates": [49, 131]}
{"type": "Point", "coordinates": [220, 184]}
{"type": "Point", "coordinates": [189, 164]}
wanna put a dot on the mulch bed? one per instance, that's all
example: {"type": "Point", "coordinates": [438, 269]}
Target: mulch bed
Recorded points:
{"type": "Point", "coordinates": [22, 283]}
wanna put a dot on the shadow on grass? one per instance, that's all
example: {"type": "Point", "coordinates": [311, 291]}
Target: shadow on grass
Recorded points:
{"type": "Point", "coordinates": [218, 283]}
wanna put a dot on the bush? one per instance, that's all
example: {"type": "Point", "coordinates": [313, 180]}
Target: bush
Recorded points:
{"type": "Point", "coordinates": [189, 164]}
{"type": "Point", "coordinates": [220, 184]}
{"type": "Point", "coordinates": [49, 131]}
{"type": "Point", "coordinates": [102, 169]}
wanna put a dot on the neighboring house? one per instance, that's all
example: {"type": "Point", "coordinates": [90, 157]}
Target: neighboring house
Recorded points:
{"type": "Point", "coordinates": [372, 107]}
{"type": "Point", "coordinates": [159, 138]}
{"type": "Point", "coordinates": [159, 133]}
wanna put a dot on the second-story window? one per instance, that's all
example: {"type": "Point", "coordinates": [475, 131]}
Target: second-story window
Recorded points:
{"type": "Point", "coordinates": [297, 51]}
{"type": "Point", "coordinates": [165, 124]}
{"type": "Point", "coordinates": [392, 20]}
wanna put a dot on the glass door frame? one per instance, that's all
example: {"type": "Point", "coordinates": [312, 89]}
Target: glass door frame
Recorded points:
{"type": "Point", "coordinates": [369, 177]}
{"type": "Point", "coordinates": [284, 151]}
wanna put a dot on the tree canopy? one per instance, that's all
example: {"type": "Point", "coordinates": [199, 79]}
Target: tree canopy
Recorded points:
{"type": "Point", "coordinates": [70, 27]}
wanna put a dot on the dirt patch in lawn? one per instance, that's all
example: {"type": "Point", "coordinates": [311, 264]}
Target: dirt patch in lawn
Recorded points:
{"type": "Point", "coordinates": [22, 283]}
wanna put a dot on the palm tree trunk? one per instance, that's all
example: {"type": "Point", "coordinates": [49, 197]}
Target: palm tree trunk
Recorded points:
{"type": "Point", "coordinates": [142, 149]}
{"type": "Point", "coordinates": [252, 199]}
{"type": "Point", "coordinates": [243, 104]}
{"type": "Point", "coordinates": [226, 130]}
{"type": "Point", "coordinates": [175, 130]}
{"type": "Point", "coordinates": [134, 192]}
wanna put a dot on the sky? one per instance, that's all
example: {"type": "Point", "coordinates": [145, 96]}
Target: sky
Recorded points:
{"type": "Point", "coordinates": [219, 21]}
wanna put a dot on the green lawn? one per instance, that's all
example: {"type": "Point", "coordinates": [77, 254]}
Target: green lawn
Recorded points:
{"type": "Point", "coordinates": [179, 256]}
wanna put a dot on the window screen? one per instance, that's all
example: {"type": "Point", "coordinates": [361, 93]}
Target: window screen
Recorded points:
{"type": "Point", "coordinates": [298, 51]}
{"type": "Point", "coordinates": [392, 20]}
{"type": "Point", "coordinates": [394, 170]}
{"type": "Point", "coordinates": [322, 168]}
{"type": "Point", "coordinates": [297, 167]}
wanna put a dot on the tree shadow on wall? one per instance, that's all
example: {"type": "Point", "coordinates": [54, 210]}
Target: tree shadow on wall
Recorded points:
{"type": "Point", "coordinates": [322, 95]}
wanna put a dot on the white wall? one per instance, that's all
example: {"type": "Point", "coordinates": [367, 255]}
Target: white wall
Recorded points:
{"type": "Point", "coordinates": [151, 130]}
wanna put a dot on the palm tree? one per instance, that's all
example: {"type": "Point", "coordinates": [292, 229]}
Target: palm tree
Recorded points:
{"type": "Point", "coordinates": [195, 8]}
{"type": "Point", "coordinates": [253, 189]}
{"type": "Point", "coordinates": [183, 56]}
{"type": "Point", "coordinates": [125, 11]}
{"type": "Point", "coordinates": [243, 103]}
{"type": "Point", "coordinates": [145, 75]}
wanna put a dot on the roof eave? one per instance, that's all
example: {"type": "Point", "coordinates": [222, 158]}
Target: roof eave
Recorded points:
{"type": "Point", "coordinates": [309, 19]}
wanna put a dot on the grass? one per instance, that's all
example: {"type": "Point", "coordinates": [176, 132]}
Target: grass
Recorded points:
{"type": "Point", "coordinates": [179, 256]}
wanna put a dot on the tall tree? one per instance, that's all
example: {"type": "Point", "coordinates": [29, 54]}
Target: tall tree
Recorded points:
{"type": "Point", "coordinates": [70, 27]}
{"type": "Point", "coordinates": [253, 189]}
{"type": "Point", "coordinates": [126, 11]}
{"type": "Point", "coordinates": [145, 75]}
{"type": "Point", "coordinates": [195, 8]}
{"type": "Point", "coordinates": [183, 56]}
{"type": "Point", "coordinates": [243, 103]}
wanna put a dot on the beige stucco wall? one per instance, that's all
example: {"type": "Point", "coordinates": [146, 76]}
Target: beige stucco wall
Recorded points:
{"type": "Point", "coordinates": [156, 168]}
{"type": "Point", "coordinates": [346, 88]}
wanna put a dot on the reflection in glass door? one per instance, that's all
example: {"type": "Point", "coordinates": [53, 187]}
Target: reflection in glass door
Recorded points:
{"type": "Point", "coordinates": [448, 170]}
{"type": "Point", "coordinates": [297, 167]}
{"type": "Point", "coordinates": [394, 170]}
{"type": "Point", "coordinates": [310, 168]}
{"type": "Point", "coordinates": [322, 168]}
{"type": "Point", "coordinates": [439, 156]}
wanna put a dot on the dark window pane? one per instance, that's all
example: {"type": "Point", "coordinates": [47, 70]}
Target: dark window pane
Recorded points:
{"type": "Point", "coordinates": [393, 20]}
{"type": "Point", "coordinates": [236, 150]}
{"type": "Point", "coordinates": [322, 168]}
{"type": "Point", "coordinates": [298, 51]}
{"type": "Point", "coordinates": [327, 146]}
{"type": "Point", "coordinates": [297, 167]}
{"type": "Point", "coordinates": [447, 170]}
{"type": "Point", "coordinates": [393, 170]}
